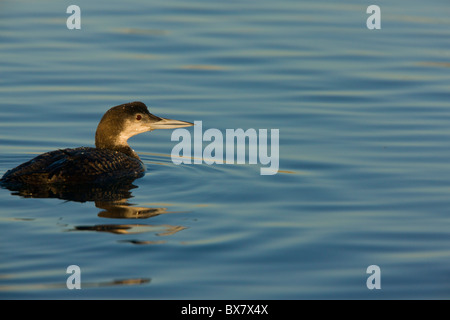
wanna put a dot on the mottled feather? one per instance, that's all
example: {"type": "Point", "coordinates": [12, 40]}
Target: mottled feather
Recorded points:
{"type": "Point", "coordinates": [75, 166]}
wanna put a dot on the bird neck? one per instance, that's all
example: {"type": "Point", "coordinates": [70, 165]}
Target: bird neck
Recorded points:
{"type": "Point", "coordinates": [109, 142]}
{"type": "Point", "coordinates": [111, 134]}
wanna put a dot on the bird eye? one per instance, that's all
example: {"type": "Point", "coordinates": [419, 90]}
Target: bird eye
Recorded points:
{"type": "Point", "coordinates": [138, 117]}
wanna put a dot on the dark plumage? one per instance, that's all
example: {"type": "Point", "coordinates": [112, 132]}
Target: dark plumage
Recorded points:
{"type": "Point", "coordinates": [110, 161]}
{"type": "Point", "coordinates": [74, 166]}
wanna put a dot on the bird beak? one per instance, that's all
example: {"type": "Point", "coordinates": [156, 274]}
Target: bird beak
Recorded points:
{"type": "Point", "coordinates": [169, 124]}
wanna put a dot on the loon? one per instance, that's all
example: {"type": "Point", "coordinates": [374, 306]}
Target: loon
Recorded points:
{"type": "Point", "coordinates": [112, 159]}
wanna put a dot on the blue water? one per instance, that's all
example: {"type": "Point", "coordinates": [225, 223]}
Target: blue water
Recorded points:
{"type": "Point", "coordinates": [364, 175]}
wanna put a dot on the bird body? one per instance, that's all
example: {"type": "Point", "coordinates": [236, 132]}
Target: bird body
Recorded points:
{"type": "Point", "coordinates": [110, 161]}
{"type": "Point", "coordinates": [76, 166]}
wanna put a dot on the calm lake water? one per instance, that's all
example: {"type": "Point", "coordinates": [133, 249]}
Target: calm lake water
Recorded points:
{"type": "Point", "coordinates": [364, 149]}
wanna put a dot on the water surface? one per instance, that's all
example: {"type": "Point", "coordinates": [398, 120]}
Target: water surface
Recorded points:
{"type": "Point", "coordinates": [364, 147]}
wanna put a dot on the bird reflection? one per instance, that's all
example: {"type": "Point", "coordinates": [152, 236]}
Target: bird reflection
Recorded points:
{"type": "Point", "coordinates": [112, 199]}
{"type": "Point", "coordinates": [110, 192]}
{"type": "Point", "coordinates": [121, 209]}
